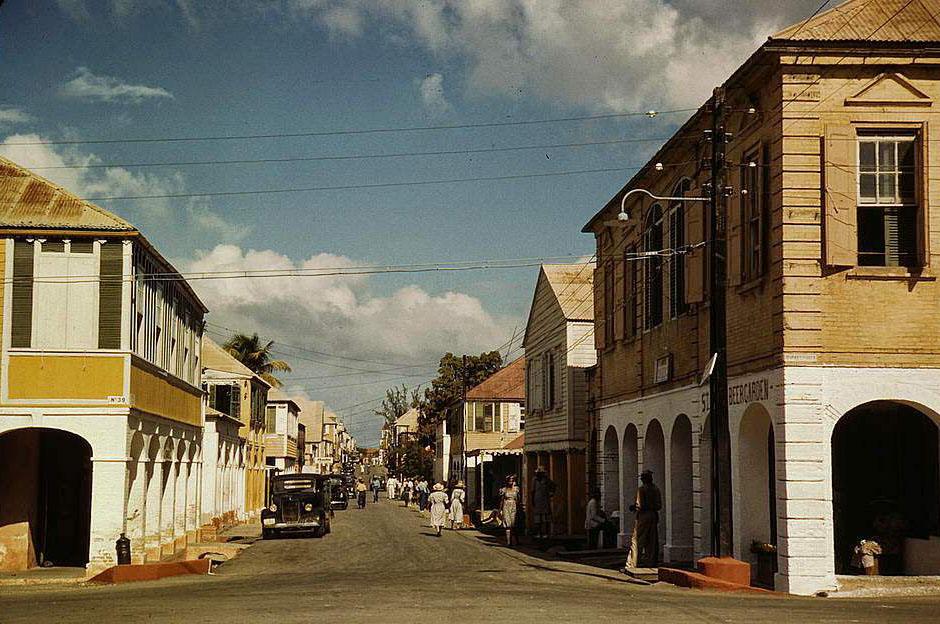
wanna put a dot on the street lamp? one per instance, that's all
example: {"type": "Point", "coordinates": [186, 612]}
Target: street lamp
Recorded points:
{"type": "Point", "coordinates": [623, 216]}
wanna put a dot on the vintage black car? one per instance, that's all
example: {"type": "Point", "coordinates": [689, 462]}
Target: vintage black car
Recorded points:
{"type": "Point", "coordinates": [298, 503]}
{"type": "Point", "coordinates": [340, 499]}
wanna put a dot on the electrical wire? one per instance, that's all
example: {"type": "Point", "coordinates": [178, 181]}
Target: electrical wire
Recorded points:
{"type": "Point", "coordinates": [350, 132]}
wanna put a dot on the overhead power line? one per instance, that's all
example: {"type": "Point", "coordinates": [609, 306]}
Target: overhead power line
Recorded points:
{"type": "Point", "coordinates": [387, 130]}
{"type": "Point", "coordinates": [257, 161]}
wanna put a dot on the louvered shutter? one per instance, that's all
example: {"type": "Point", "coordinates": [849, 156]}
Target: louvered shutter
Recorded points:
{"type": "Point", "coordinates": [111, 271]}
{"type": "Point", "coordinates": [599, 337]}
{"type": "Point", "coordinates": [22, 323]}
{"type": "Point", "coordinates": [839, 199]}
{"type": "Point", "coordinates": [617, 322]}
{"type": "Point", "coordinates": [734, 230]}
{"type": "Point", "coordinates": [695, 259]}
{"type": "Point", "coordinates": [923, 206]}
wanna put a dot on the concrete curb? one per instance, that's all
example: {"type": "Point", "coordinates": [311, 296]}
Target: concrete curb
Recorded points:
{"type": "Point", "coordinates": [558, 566]}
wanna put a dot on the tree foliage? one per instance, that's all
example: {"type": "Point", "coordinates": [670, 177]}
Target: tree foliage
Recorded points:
{"type": "Point", "coordinates": [398, 401]}
{"type": "Point", "coordinates": [455, 376]}
{"type": "Point", "coordinates": [250, 351]}
{"type": "Point", "coordinates": [415, 459]}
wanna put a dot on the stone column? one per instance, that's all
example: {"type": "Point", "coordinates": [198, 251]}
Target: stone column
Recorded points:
{"type": "Point", "coordinates": [154, 510]}
{"type": "Point", "coordinates": [169, 505]}
{"type": "Point", "coordinates": [181, 505]}
{"type": "Point", "coordinates": [193, 501]}
{"type": "Point", "coordinates": [108, 510]}
{"type": "Point", "coordinates": [136, 518]}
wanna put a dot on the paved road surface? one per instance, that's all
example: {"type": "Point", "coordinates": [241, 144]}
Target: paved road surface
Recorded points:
{"type": "Point", "coordinates": [382, 565]}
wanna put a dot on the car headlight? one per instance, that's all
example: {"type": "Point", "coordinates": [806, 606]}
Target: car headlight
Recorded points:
{"type": "Point", "coordinates": [308, 507]}
{"type": "Point", "coordinates": [272, 508]}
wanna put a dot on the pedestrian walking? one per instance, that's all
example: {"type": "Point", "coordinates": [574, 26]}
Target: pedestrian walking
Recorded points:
{"type": "Point", "coordinates": [644, 542]}
{"type": "Point", "coordinates": [437, 502]}
{"type": "Point", "coordinates": [457, 499]}
{"type": "Point", "coordinates": [392, 486]}
{"type": "Point", "coordinates": [423, 492]}
{"type": "Point", "coordinates": [361, 490]}
{"type": "Point", "coordinates": [509, 502]}
{"type": "Point", "coordinates": [376, 486]}
{"type": "Point", "coordinates": [407, 491]}
{"type": "Point", "coordinates": [543, 489]}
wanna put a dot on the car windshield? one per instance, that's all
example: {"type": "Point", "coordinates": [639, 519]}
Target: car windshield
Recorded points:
{"type": "Point", "coordinates": [296, 484]}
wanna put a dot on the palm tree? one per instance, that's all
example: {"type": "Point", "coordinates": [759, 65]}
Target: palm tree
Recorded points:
{"type": "Point", "coordinates": [249, 351]}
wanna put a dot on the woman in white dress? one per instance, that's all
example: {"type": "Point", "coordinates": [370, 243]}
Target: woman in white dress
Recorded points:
{"type": "Point", "coordinates": [457, 499]}
{"type": "Point", "coordinates": [509, 503]}
{"type": "Point", "coordinates": [438, 503]}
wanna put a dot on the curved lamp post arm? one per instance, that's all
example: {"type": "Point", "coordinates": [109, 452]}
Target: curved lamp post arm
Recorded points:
{"type": "Point", "coordinates": [623, 216]}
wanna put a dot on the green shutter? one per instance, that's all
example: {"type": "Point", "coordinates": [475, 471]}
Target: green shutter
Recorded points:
{"type": "Point", "coordinates": [111, 273]}
{"type": "Point", "coordinates": [22, 325]}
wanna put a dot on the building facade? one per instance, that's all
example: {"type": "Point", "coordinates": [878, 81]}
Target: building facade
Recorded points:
{"type": "Point", "coordinates": [491, 416]}
{"type": "Point", "coordinates": [559, 347]}
{"type": "Point", "coordinates": [281, 432]}
{"type": "Point", "coordinates": [833, 410]}
{"type": "Point", "coordinates": [100, 406]}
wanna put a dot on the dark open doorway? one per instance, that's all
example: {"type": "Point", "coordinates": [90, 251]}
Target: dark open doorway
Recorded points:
{"type": "Point", "coordinates": [45, 491]}
{"type": "Point", "coordinates": [885, 483]}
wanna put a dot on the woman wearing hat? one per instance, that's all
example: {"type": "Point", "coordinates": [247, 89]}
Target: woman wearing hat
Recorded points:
{"type": "Point", "coordinates": [438, 503]}
{"type": "Point", "coordinates": [457, 499]}
{"type": "Point", "coordinates": [509, 503]}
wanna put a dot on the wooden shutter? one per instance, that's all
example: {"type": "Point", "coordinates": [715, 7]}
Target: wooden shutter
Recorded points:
{"type": "Point", "coordinates": [110, 272]}
{"type": "Point", "coordinates": [695, 259]}
{"type": "Point", "coordinates": [619, 325]}
{"type": "Point", "coordinates": [734, 230]}
{"type": "Point", "coordinates": [840, 203]}
{"type": "Point", "coordinates": [599, 283]}
{"type": "Point", "coordinates": [21, 333]}
{"type": "Point", "coordinates": [921, 157]}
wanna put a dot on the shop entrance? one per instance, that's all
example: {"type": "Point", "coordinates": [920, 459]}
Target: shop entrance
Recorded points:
{"type": "Point", "coordinates": [886, 488]}
{"type": "Point", "coordinates": [45, 498]}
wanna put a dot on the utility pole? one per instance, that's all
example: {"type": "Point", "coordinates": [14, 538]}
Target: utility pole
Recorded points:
{"type": "Point", "coordinates": [722, 523]}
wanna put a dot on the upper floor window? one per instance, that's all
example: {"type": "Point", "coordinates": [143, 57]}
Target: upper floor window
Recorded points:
{"type": "Point", "coordinates": [608, 304]}
{"type": "Point", "coordinates": [755, 202]}
{"type": "Point", "coordinates": [887, 200]}
{"type": "Point", "coordinates": [677, 239]}
{"type": "Point", "coordinates": [630, 292]}
{"type": "Point", "coordinates": [270, 419]}
{"type": "Point", "coordinates": [653, 241]}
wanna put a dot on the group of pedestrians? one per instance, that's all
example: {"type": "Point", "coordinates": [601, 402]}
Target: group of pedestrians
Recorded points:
{"type": "Point", "coordinates": [446, 507]}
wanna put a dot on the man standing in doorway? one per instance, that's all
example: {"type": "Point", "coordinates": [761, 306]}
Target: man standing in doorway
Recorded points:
{"type": "Point", "coordinates": [543, 489]}
{"type": "Point", "coordinates": [644, 543]}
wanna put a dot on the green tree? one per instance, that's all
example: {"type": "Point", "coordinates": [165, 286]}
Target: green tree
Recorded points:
{"type": "Point", "coordinates": [398, 401]}
{"type": "Point", "coordinates": [455, 376]}
{"type": "Point", "coordinates": [257, 357]}
{"type": "Point", "coordinates": [416, 459]}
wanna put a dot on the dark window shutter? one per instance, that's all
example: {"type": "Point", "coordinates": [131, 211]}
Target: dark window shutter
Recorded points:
{"type": "Point", "coordinates": [111, 272]}
{"type": "Point", "coordinates": [22, 325]}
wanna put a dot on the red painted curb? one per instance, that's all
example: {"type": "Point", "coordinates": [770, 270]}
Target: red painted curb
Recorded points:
{"type": "Point", "coordinates": [151, 571]}
{"type": "Point", "coordinates": [695, 580]}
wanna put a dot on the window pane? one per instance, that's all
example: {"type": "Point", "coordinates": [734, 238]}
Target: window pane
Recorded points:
{"type": "Point", "coordinates": [866, 156]}
{"type": "Point", "coordinates": [887, 187]}
{"type": "Point", "coordinates": [907, 186]}
{"type": "Point", "coordinates": [866, 188]}
{"type": "Point", "coordinates": [906, 155]}
{"type": "Point", "coordinates": [871, 237]}
{"type": "Point", "coordinates": [886, 155]}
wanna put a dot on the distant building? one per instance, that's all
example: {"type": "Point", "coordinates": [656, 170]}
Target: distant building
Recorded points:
{"type": "Point", "coordinates": [281, 432]}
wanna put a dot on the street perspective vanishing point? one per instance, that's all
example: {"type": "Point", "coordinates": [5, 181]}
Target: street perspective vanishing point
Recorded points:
{"type": "Point", "coordinates": [470, 311]}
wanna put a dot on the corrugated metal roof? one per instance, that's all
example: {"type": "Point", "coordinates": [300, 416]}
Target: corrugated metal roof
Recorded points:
{"type": "Point", "coordinates": [871, 20]}
{"type": "Point", "coordinates": [275, 395]}
{"type": "Point", "coordinates": [573, 285]}
{"type": "Point", "coordinates": [506, 384]}
{"type": "Point", "coordinates": [30, 201]}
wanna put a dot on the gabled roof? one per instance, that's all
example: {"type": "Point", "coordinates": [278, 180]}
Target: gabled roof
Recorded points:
{"type": "Point", "coordinates": [870, 20]}
{"type": "Point", "coordinates": [30, 201]}
{"type": "Point", "coordinates": [408, 419]}
{"type": "Point", "coordinates": [275, 395]}
{"type": "Point", "coordinates": [311, 415]}
{"type": "Point", "coordinates": [506, 384]}
{"type": "Point", "coordinates": [573, 285]}
{"type": "Point", "coordinates": [216, 358]}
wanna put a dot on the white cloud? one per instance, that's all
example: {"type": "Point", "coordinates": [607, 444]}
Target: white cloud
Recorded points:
{"type": "Point", "coordinates": [68, 167]}
{"type": "Point", "coordinates": [339, 314]}
{"type": "Point", "coordinates": [601, 54]}
{"type": "Point", "coordinates": [14, 116]}
{"type": "Point", "coordinates": [432, 94]}
{"type": "Point", "coordinates": [86, 85]}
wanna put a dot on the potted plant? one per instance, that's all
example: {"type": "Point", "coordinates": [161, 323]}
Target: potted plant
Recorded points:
{"type": "Point", "coordinates": [766, 562]}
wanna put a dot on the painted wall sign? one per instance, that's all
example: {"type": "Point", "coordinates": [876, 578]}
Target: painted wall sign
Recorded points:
{"type": "Point", "coordinates": [749, 392]}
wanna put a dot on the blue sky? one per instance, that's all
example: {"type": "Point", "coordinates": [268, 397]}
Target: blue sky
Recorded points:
{"type": "Point", "coordinates": [118, 69]}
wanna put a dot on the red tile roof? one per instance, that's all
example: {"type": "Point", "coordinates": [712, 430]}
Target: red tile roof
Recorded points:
{"type": "Point", "coordinates": [507, 384]}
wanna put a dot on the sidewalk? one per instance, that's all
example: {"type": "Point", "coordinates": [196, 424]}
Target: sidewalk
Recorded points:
{"type": "Point", "coordinates": [44, 576]}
